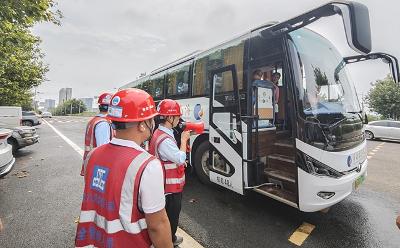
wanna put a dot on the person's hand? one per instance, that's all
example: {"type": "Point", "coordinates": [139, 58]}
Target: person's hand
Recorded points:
{"type": "Point", "coordinates": [398, 221]}
{"type": "Point", "coordinates": [185, 136]}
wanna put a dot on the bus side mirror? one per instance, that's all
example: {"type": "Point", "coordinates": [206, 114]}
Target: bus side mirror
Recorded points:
{"type": "Point", "coordinates": [365, 118]}
{"type": "Point", "coordinates": [356, 24]}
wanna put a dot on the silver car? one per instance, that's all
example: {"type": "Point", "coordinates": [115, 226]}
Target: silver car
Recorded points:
{"type": "Point", "coordinates": [7, 159]}
{"type": "Point", "coordinates": [21, 137]}
{"type": "Point", "coordinates": [384, 129]}
{"type": "Point", "coordinates": [30, 119]}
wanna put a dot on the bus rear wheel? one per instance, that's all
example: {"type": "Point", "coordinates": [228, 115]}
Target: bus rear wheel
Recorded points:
{"type": "Point", "coordinates": [201, 162]}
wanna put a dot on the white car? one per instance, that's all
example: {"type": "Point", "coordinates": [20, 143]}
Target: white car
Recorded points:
{"type": "Point", "coordinates": [46, 115]}
{"type": "Point", "coordinates": [7, 159]}
{"type": "Point", "coordinates": [384, 129]}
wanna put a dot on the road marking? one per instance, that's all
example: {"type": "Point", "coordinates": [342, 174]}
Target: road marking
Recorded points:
{"type": "Point", "coordinates": [188, 241]}
{"type": "Point", "coordinates": [69, 142]}
{"type": "Point", "coordinates": [376, 149]}
{"type": "Point", "coordinates": [301, 233]}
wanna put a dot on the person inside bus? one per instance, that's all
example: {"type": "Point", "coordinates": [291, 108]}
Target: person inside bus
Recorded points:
{"type": "Point", "coordinates": [275, 80]}
{"type": "Point", "coordinates": [258, 81]}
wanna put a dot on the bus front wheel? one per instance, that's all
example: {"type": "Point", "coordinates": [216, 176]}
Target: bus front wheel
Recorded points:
{"type": "Point", "coordinates": [201, 162]}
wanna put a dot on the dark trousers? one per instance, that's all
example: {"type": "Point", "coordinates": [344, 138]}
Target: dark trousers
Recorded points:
{"type": "Point", "coordinates": [173, 207]}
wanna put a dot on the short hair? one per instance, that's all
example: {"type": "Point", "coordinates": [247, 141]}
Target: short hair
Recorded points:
{"type": "Point", "coordinates": [118, 125]}
{"type": "Point", "coordinates": [276, 74]}
{"type": "Point", "coordinates": [103, 108]}
{"type": "Point", "coordinates": [257, 72]}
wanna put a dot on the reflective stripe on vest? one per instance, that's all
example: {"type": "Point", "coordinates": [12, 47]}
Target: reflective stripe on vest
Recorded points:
{"type": "Point", "coordinates": [124, 225]}
{"type": "Point", "coordinates": [175, 180]}
{"type": "Point", "coordinates": [90, 138]}
{"type": "Point", "coordinates": [174, 174]}
{"type": "Point", "coordinates": [112, 226]}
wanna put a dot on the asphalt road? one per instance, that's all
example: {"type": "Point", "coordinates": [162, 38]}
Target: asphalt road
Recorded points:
{"type": "Point", "coordinates": [40, 209]}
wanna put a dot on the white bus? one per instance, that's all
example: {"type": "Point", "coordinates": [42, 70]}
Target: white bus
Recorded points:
{"type": "Point", "coordinates": [300, 142]}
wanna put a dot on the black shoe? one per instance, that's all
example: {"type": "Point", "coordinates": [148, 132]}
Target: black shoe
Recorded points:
{"type": "Point", "coordinates": [178, 240]}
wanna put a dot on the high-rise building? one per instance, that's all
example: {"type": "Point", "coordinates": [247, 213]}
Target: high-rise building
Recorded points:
{"type": "Point", "coordinates": [64, 94]}
{"type": "Point", "coordinates": [88, 103]}
{"type": "Point", "coordinates": [49, 104]}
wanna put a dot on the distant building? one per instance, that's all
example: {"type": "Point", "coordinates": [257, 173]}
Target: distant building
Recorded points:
{"type": "Point", "coordinates": [49, 104]}
{"type": "Point", "coordinates": [64, 94]}
{"type": "Point", "coordinates": [88, 101]}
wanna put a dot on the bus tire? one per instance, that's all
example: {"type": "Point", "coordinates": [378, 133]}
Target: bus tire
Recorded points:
{"type": "Point", "coordinates": [200, 158]}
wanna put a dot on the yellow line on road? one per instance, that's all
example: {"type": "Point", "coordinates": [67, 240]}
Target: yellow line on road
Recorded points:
{"type": "Point", "coordinates": [188, 242]}
{"type": "Point", "coordinates": [301, 233]}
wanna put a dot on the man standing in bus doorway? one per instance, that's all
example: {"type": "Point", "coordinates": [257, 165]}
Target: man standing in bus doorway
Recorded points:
{"type": "Point", "coordinates": [98, 130]}
{"type": "Point", "coordinates": [164, 146]}
{"type": "Point", "coordinates": [123, 201]}
{"type": "Point", "coordinates": [275, 79]}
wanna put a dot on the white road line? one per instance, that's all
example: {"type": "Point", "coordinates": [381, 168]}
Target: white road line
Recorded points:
{"type": "Point", "coordinates": [69, 142]}
{"type": "Point", "coordinates": [188, 241]}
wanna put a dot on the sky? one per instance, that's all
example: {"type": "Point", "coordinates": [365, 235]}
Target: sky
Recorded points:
{"type": "Point", "coordinates": [102, 45]}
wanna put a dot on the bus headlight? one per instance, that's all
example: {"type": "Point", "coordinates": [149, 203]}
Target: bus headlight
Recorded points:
{"type": "Point", "coordinates": [317, 168]}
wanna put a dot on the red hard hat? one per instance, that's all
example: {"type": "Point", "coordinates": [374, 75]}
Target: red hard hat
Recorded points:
{"type": "Point", "coordinates": [104, 99]}
{"type": "Point", "coordinates": [131, 105]}
{"type": "Point", "coordinates": [169, 107]}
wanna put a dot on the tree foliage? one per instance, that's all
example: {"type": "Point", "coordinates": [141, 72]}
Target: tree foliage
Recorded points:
{"type": "Point", "coordinates": [73, 106]}
{"type": "Point", "coordinates": [384, 98]}
{"type": "Point", "coordinates": [21, 65]}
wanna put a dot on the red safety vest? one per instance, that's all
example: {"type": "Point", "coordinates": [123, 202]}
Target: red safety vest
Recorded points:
{"type": "Point", "coordinates": [110, 215]}
{"type": "Point", "coordinates": [90, 137]}
{"type": "Point", "coordinates": [174, 174]}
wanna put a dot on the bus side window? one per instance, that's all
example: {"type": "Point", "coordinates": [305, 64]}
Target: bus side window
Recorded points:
{"type": "Point", "coordinates": [178, 82]}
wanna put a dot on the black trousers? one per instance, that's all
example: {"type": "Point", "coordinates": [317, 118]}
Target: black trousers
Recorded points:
{"type": "Point", "coordinates": [173, 204]}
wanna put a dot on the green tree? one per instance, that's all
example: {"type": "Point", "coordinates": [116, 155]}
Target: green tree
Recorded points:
{"type": "Point", "coordinates": [73, 106]}
{"type": "Point", "coordinates": [384, 98]}
{"type": "Point", "coordinates": [21, 65]}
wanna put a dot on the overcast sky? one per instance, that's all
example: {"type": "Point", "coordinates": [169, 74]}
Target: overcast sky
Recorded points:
{"type": "Point", "coordinates": [103, 44]}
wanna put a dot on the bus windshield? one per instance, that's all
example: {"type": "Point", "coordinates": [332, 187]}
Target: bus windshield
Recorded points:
{"type": "Point", "coordinates": [323, 85]}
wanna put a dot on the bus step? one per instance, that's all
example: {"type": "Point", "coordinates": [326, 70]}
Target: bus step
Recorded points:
{"type": "Point", "coordinates": [280, 194]}
{"type": "Point", "coordinates": [283, 134]}
{"type": "Point", "coordinates": [281, 175]}
{"type": "Point", "coordinates": [284, 147]}
{"type": "Point", "coordinates": [281, 163]}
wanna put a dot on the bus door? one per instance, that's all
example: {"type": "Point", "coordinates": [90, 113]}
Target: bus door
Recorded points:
{"type": "Point", "coordinates": [225, 136]}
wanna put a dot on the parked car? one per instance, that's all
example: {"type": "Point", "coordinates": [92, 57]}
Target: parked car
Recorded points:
{"type": "Point", "coordinates": [29, 118]}
{"type": "Point", "coordinates": [384, 129]}
{"type": "Point", "coordinates": [7, 159]}
{"type": "Point", "coordinates": [46, 115]}
{"type": "Point", "coordinates": [10, 116]}
{"type": "Point", "coordinates": [22, 137]}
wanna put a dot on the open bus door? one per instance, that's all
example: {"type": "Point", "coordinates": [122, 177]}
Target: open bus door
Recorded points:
{"type": "Point", "coordinates": [225, 137]}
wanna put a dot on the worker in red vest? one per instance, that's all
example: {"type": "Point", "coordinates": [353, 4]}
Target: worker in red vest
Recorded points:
{"type": "Point", "coordinates": [98, 130]}
{"type": "Point", "coordinates": [164, 146]}
{"type": "Point", "coordinates": [123, 202]}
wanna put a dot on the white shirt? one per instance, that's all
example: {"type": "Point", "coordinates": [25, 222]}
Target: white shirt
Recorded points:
{"type": "Point", "coordinates": [168, 150]}
{"type": "Point", "coordinates": [151, 190]}
{"type": "Point", "coordinates": [102, 132]}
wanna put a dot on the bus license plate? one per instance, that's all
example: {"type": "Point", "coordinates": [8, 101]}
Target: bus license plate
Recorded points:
{"type": "Point", "coordinates": [359, 181]}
